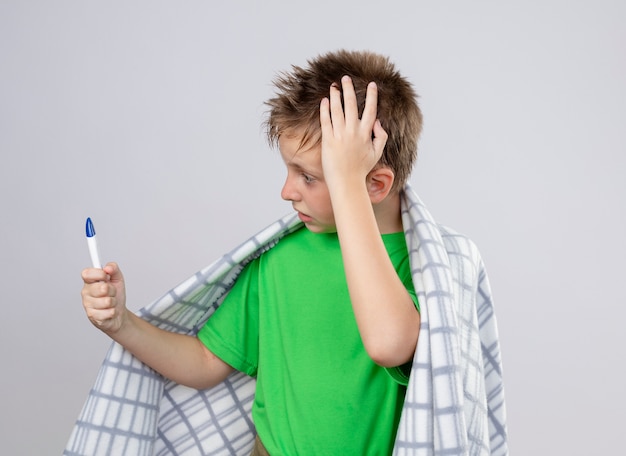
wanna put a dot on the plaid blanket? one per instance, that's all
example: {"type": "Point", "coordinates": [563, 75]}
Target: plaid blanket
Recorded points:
{"type": "Point", "coordinates": [455, 398]}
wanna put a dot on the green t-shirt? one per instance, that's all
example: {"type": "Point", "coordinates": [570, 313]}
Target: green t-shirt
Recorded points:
{"type": "Point", "coordinates": [288, 321]}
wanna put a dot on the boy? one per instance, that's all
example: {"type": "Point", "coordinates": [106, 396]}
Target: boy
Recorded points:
{"type": "Point", "coordinates": [327, 320]}
{"type": "Point", "coordinates": [340, 190]}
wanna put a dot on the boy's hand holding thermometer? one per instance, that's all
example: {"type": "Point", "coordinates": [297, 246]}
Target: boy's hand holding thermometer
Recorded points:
{"type": "Point", "coordinates": [182, 358]}
{"type": "Point", "coordinates": [104, 294]}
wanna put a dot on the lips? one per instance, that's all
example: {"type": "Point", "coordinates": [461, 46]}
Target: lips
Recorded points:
{"type": "Point", "coordinates": [305, 218]}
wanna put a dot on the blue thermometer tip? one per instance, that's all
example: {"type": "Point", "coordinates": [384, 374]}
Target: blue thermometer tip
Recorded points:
{"type": "Point", "coordinates": [91, 232]}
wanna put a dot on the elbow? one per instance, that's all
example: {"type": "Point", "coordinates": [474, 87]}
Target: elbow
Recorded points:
{"type": "Point", "coordinates": [389, 359]}
{"type": "Point", "coordinates": [388, 352]}
{"type": "Point", "coordinates": [393, 343]}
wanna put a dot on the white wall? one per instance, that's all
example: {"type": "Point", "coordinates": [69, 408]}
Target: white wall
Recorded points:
{"type": "Point", "coordinates": [145, 115]}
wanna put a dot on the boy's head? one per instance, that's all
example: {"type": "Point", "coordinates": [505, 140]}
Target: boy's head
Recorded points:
{"type": "Point", "coordinates": [295, 108]}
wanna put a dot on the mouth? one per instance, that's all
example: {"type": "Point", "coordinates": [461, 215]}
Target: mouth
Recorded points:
{"type": "Point", "coordinates": [305, 218]}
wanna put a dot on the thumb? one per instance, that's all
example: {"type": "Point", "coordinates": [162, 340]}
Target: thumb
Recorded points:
{"type": "Point", "coordinates": [380, 136]}
{"type": "Point", "coordinates": [114, 272]}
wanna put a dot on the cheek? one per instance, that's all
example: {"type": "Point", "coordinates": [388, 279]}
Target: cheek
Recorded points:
{"type": "Point", "coordinates": [323, 203]}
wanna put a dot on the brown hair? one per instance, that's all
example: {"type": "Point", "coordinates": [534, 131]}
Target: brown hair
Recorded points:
{"type": "Point", "coordinates": [299, 93]}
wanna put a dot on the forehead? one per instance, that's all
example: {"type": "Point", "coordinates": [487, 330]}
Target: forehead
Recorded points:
{"type": "Point", "coordinates": [294, 152]}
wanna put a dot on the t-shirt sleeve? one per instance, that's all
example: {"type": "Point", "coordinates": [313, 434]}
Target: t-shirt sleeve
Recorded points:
{"type": "Point", "coordinates": [232, 332]}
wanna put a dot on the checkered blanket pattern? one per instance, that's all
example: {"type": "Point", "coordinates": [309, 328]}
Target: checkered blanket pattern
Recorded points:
{"type": "Point", "coordinates": [455, 399]}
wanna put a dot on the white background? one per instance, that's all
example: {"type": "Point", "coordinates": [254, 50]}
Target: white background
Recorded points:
{"type": "Point", "coordinates": [146, 116]}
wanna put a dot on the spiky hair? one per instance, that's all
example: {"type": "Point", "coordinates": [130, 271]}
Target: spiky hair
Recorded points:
{"type": "Point", "coordinates": [295, 106]}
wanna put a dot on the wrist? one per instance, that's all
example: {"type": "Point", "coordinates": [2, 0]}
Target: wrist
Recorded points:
{"type": "Point", "coordinates": [121, 326]}
{"type": "Point", "coordinates": [346, 184]}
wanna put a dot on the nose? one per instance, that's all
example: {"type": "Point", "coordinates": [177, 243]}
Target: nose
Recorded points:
{"type": "Point", "coordinates": [289, 192]}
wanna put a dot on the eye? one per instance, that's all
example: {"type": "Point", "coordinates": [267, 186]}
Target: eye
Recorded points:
{"type": "Point", "coordinates": [308, 179]}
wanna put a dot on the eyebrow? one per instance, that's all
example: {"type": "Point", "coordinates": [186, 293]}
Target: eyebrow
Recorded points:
{"type": "Point", "coordinates": [296, 164]}
{"type": "Point", "coordinates": [301, 169]}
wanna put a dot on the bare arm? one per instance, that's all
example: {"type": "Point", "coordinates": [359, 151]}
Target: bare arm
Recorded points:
{"type": "Point", "coordinates": [362, 205]}
{"type": "Point", "coordinates": [183, 359]}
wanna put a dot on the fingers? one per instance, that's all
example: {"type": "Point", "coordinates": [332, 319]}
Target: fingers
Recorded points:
{"type": "Point", "coordinates": [350, 143]}
{"type": "Point", "coordinates": [349, 99]}
{"type": "Point", "coordinates": [103, 296]}
{"type": "Point", "coordinates": [99, 295]}
{"type": "Point", "coordinates": [102, 305]}
{"type": "Point", "coordinates": [336, 110]}
{"type": "Point", "coordinates": [92, 275]}
{"type": "Point", "coordinates": [325, 122]}
{"type": "Point", "coordinates": [99, 301]}
{"type": "Point", "coordinates": [371, 106]}
{"type": "Point", "coordinates": [348, 114]}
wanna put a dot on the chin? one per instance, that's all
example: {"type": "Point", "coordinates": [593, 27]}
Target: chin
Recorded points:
{"type": "Point", "coordinates": [320, 229]}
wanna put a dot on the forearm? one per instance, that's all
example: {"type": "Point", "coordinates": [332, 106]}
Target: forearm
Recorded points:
{"type": "Point", "coordinates": [181, 358]}
{"type": "Point", "coordinates": [385, 313]}
{"type": "Point", "coordinates": [351, 149]}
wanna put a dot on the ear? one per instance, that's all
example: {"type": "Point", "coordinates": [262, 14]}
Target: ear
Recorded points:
{"type": "Point", "coordinates": [379, 182]}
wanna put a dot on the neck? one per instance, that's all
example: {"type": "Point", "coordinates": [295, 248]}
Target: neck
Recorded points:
{"type": "Point", "coordinates": [387, 213]}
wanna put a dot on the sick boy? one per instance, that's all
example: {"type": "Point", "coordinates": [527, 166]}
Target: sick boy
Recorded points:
{"type": "Point", "coordinates": [327, 320]}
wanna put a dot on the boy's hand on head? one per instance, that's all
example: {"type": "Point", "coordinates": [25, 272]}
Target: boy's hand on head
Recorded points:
{"type": "Point", "coordinates": [104, 297]}
{"type": "Point", "coordinates": [348, 150]}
